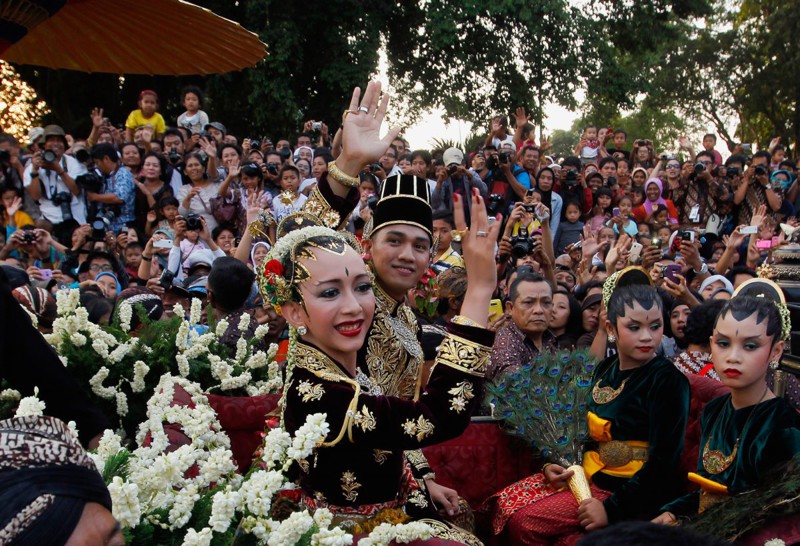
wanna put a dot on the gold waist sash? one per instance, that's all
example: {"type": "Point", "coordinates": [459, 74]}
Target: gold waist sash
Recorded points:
{"type": "Point", "coordinates": [616, 458]}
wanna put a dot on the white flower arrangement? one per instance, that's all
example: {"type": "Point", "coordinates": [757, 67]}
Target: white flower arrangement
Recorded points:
{"type": "Point", "coordinates": [159, 494]}
{"type": "Point", "coordinates": [31, 405]}
{"type": "Point", "coordinates": [121, 368]}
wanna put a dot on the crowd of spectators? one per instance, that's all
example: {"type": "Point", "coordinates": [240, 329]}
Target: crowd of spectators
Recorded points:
{"type": "Point", "coordinates": [154, 204]}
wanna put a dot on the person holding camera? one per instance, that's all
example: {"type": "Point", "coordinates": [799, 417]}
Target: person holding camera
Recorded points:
{"type": "Point", "coordinates": [453, 177]}
{"type": "Point", "coordinates": [49, 178]}
{"type": "Point", "coordinates": [755, 189]}
{"type": "Point", "coordinates": [114, 195]}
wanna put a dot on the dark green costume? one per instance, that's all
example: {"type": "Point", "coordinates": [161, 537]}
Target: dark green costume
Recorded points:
{"type": "Point", "coordinates": [769, 435]}
{"type": "Point", "coordinates": [652, 407]}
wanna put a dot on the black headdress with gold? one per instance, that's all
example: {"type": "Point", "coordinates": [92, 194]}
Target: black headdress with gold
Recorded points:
{"type": "Point", "coordinates": [770, 290]}
{"type": "Point", "coordinates": [630, 275]}
{"type": "Point", "coordinates": [404, 199]}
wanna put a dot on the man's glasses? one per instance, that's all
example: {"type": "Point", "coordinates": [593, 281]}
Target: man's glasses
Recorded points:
{"type": "Point", "coordinates": [106, 268]}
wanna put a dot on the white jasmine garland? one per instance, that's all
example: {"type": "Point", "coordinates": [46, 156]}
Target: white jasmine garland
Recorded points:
{"type": "Point", "coordinates": [96, 382]}
{"type": "Point", "coordinates": [100, 348]}
{"type": "Point", "coordinates": [125, 316]}
{"type": "Point", "coordinates": [244, 322]}
{"type": "Point", "coordinates": [223, 508]}
{"type": "Point", "coordinates": [122, 404]}
{"type": "Point", "coordinates": [291, 530]}
{"type": "Point", "coordinates": [183, 365]}
{"type": "Point", "coordinates": [258, 490]}
{"type": "Point", "coordinates": [30, 405]}
{"type": "Point", "coordinates": [140, 370]}
{"type": "Point", "coordinates": [110, 444]}
{"type": "Point", "coordinates": [775, 542]}
{"type": "Point", "coordinates": [331, 537]}
{"type": "Point", "coordinates": [285, 244]}
{"type": "Point", "coordinates": [182, 337]}
{"type": "Point", "coordinates": [198, 538]}
{"type": "Point", "coordinates": [276, 443]}
{"type": "Point", "coordinates": [78, 339]}
{"type": "Point", "coordinates": [222, 327]}
{"type": "Point", "coordinates": [178, 310]}
{"type": "Point", "coordinates": [323, 518]}
{"type": "Point", "coordinates": [195, 311]}
{"type": "Point", "coordinates": [241, 349]}
{"type": "Point", "coordinates": [261, 331]}
{"type": "Point", "coordinates": [181, 510]}
{"type": "Point", "coordinates": [308, 436]}
{"type": "Point", "coordinates": [402, 533]}
{"type": "Point", "coordinates": [125, 502]}
{"type": "Point", "coordinates": [10, 395]}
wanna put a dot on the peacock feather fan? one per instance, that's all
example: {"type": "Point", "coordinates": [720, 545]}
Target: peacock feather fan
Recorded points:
{"type": "Point", "coordinates": [545, 402]}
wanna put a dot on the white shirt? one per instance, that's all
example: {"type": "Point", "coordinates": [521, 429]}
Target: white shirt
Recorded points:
{"type": "Point", "coordinates": [200, 203]}
{"type": "Point", "coordinates": [52, 184]}
{"type": "Point", "coordinates": [281, 210]}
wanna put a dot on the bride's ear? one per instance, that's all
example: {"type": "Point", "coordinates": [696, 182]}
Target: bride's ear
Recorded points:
{"type": "Point", "coordinates": [294, 314]}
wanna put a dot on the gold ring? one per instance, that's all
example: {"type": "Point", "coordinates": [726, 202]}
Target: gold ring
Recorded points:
{"type": "Point", "coordinates": [459, 234]}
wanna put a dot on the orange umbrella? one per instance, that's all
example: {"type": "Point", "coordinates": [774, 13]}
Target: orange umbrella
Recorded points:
{"type": "Point", "coordinates": [166, 37]}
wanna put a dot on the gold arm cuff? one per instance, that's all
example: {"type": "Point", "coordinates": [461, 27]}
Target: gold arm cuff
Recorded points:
{"type": "Point", "coordinates": [430, 476]}
{"type": "Point", "coordinates": [464, 321]}
{"type": "Point", "coordinates": [341, 177]}
{"type": "Point", "coordinates": [319, 207]}
{"type": "Point", "coordinates": [463, 355]}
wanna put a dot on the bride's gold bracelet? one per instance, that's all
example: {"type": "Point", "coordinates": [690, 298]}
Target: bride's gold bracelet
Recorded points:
{"type": "Point", "coordinates": [341, 177]}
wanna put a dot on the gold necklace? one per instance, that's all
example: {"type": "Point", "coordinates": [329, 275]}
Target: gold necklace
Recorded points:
{"type": "Point", "coordinates": [604, 395]}
{"type": "Point", "coordinates": [715, 461]}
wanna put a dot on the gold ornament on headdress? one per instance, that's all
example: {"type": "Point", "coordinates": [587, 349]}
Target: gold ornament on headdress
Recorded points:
{"type": "Point", "coordinates": [275, 288]}
{"type": "Point", "coordinates": [783, 309]}
{"type": "Point", "coordinates": [611, 282]}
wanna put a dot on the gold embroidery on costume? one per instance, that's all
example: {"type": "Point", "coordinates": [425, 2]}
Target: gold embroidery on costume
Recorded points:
{"type": "Point", "coordinates": [394, 355]}
{"type": "Point", "coordinates": [349, 486]}
{"type": "Point", "coordinates": [319, 496]}
{"type": "Point", "coordinates": [380, 455]}
{"type": "Point", "coordinates": [310, 391]}
{"type": "Point", "coordinates": [462, 393]}
{"type": "Point", "coordinates": [463, 355]}
{"type": "Point", "coordinates": [417, 498]}
{"type": "Point", "coordinates": [419, 428]}
{"type": "Point", "coordinates": [364, 419]}
{"type": "Point", "coordinates": [303, 464]}
{"type": "Point", "coordinates": [444, 530]}
{"type": "Point", "coordinates": [417, 459]}
{"type": "Point", "coordinates": [604, 395]}
{"type": "Point", "coordinates": [319, 207]}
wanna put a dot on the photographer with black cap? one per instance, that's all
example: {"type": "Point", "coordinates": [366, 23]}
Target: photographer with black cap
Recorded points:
{"type": "Point", "coordinates": [756, 189]}
{"type": "Point", "coordinates": [49, 179]}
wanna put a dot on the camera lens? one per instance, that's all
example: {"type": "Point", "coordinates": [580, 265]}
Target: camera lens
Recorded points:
{"type": "Point", "coordinates": [48, 156]}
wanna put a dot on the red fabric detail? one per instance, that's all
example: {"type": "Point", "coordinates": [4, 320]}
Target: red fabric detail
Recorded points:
{"type": "Point", "coordinates": [283, 351]}
{"type": "Point", "coordinates": [552, 519]}
{"type": "Point", "coordinates": [515, 497]}
{"type": "Point", "coordinates": [702, 389]}
{"type": "Point", "coordinates": [243, 419]}
{"type": "Point", "coordinates": [707, 368]}
{"type": "Point", "coordinates": [480, 462]}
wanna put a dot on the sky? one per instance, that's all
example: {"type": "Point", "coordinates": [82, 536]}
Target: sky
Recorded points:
{"type": "Point", "coordinates": [434, 124]}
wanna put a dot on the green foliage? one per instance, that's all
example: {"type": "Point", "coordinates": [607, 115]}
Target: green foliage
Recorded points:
{"type": "Point", "coordinates": [116, 465]}
{"type": "Point", "coordinates": [545, 403]}
{"type": "Point", "coordinates": [563, 142]}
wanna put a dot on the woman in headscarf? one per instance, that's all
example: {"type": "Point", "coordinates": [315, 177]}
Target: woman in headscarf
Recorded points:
{"type": "Point", "coordinates": [544, 183]}
{"type": "Point", "coordinates": [653, 190]}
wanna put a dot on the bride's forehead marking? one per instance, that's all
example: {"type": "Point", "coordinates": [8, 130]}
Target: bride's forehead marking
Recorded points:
{"type": "Point", "coordinates": [346, 271]}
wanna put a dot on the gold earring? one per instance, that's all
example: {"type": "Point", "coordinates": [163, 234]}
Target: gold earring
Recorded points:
{"type": "Point", "coordinates": [774, 364]}
{"type": "Point", "coordinates": [302, 330]}
{"type": "Point", "coordinates": [611, 338]}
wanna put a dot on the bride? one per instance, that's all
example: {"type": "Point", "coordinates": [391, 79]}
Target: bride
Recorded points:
{"type": "Point", "coordinates": [318, 280]}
